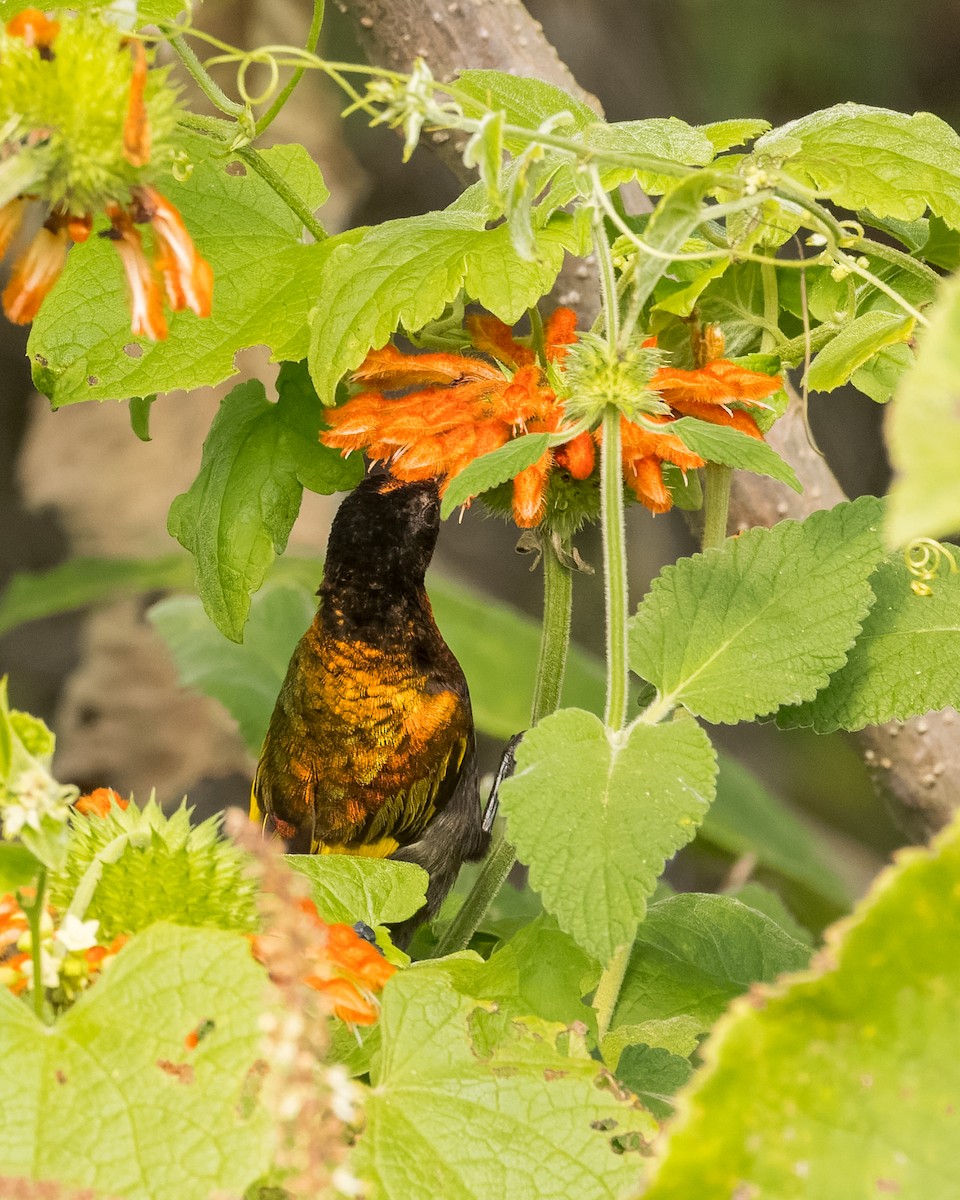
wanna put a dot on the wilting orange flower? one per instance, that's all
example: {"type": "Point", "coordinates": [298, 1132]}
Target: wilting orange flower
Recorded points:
{"type": "Point", "coordinates": [99, 802]}
{"type": "Point", "coordinates": [345, 968]}
{"type": "Point", "coordinates": [455, 408]}
{"type": "Point", "coordinates": [185, 274]}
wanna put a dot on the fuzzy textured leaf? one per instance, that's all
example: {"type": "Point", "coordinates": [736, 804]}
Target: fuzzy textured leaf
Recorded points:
{"type": "Point", "coordinates": [596, 815]}
{"type": "Point", "coordinates": [923, 431]}
{"type": "Point", "coordinates": [729, 446]}
{"type": "Point", "coordinates": [375, 890]}
{"type": "Point", "coordinates": [465, 1105]}
{"type": "Point", "coordinates": [855, 345]}
{"type": "Point", "coordinates": [668, 138]}
{"type": "Point", "coordinates": [265, 280]}
{"type": "Point", "coordinates": [905, 662]}
{"type": "Point", "coordinates": [523, 100]}
{"type": "Point", "coordinates": [490, 470]}
{"type": "Point", "coordinates": [891, 163]}
{"type": "Point", "coordinates": [762, 620]}
{"type": "Point", "coordinates": [856, 1058]}
{"type": "Point", "coordinates": [726, 134]}
{"type": "Point", "coordinates": [89, 1101]}
{"type": "Point", "coordinates": [238, 512]}
{"type": "Point", "coordinates": [880, 376]}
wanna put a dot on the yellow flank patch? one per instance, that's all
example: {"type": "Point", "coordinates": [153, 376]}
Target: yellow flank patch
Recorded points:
{"type": "Point", "coordinates": [255, 813]}
{"type": "Point", "coordinates": [382, 848]}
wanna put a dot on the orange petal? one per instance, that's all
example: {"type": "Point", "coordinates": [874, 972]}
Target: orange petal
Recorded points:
{"type": "Point", "coordinates": [716, 415]}
{"type": "Point", "coordinates": [645, 477]}
{"type": "Point", "coordinates": [530, 493]}
{"type": "Point", "coordinates": [491, 336]}
{"type": "Point", "coordinates": [78, 227]}
{"type": "Point", "coordinates": [187, 276]}
{"type": "Point", "coordinates": [136, 127]}
{"type": "Point", "coordinates": [99, 802]}
{"type": "Point", "coordinates": [146, 300]}
{"type": "Point", "coordinates": [718, 382]}
{"type": "Point", "coordinates": [638, 443]}
{"type": "Point", "coordinates": [34, 27]}
{"type": "Point", "coordinates": [393, 370]}
{"type": "Point", "coordinates": [11, 218]}
{"type": "Point", "coordinates": [559, 333]}
{"type": "Point", "coordinates": [577, 456]}
{"type": "Point", "coordinates": [34, 274]}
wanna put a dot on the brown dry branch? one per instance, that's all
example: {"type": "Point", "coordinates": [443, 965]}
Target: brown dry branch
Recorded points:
{"type": "Point", "coordinates": [315, 1107]}
{"type": "Point", "coordinates": [916, 764]}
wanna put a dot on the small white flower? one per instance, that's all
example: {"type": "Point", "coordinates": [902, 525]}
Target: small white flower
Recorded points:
{"type": "Point", "coordinates": [75, 935]}
{"type": "Point", "coordinates": [14, 819]}
{"type": "Point", "coordinates": [49, 970]}
{"type": "Point", "coordinates": [346, 1183]}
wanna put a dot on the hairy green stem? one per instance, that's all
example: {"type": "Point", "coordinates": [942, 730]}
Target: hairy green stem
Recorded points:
{"type": "Point", "coordinates": [716, 504]}
{"type": "Point", "coordinates": [313, 37]}
{"type": "Point", "coordinates": [608, 990]}
{"type": "Point", "coordinates": [195, 68]}
{"type": "Point", "coordinates": [771, 308]}
{"type": "Point", "coordinates": [614, 570]}
{"type": "Point", "coordinates": [554, 641]}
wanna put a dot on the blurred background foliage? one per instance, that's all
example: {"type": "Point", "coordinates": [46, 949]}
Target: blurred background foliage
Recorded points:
{"type": "Point", "coordinates": [79, 483]}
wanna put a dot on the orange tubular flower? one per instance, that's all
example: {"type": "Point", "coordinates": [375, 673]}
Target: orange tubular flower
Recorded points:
{"type": "Point", "coordinates": [448, 409]}
{"type": "Point", "coordinates": [146, 299]}
{"type": "Point", "coordinates": [36, 29]}
{"type": "Point", "coordinates": [99, 802]}
{"type": "Point", "coordinates": [187, 277]}
{"type": "Point", "coordinates": [35, 272]}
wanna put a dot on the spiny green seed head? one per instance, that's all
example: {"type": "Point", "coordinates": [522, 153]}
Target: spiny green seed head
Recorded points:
{"type": "Point", "coordinates": [595, 378]}
{"type": "Point", "coordinates": [75, 104]}
{"type": "Point", "coordinates": [181, 873]}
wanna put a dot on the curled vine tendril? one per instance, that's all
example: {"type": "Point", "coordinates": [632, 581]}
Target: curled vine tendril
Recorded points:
{"type": "Point", "coordinates": [923, 558]}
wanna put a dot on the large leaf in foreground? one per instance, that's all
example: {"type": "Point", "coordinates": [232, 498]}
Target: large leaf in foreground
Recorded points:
{"type": "Point", "coordinates": [595, 815]}
{"type": "Point", "coordinates": [762, 620]}
{"type": "Point", "coordinates": [109, 1097]}
{"type": "Point", "coordinates": [465, 1106]}
{"type": "Point", "coordinates": [844, 1082]}
{"type": "Point", "coordinates": [905, 662]}
{"type": "Point", "coordinates": [923, 431]}
{"type": "Point", "coordinates": [348, 888]}
{"type": "Point", "coordinates": [265, 280]}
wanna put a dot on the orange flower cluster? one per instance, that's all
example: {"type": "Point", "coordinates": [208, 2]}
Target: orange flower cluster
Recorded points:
{"type": "Point", "coordinates": [429, 415]}
{"type": "Point", "coordinates": [75, 970]}
{"type": "Point", "coordinates": [187, 277]}
{"type": "Point", "coordinates": [462, 407]}
{"type": "Point", "coordinates": [347, 970]}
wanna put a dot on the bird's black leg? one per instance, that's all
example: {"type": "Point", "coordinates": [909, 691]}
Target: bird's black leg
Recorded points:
{"type": "Point", "coordinates": [507, 764]}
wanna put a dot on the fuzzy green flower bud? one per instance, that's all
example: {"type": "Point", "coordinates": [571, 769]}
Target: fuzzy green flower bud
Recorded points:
{"type": "Point", "coordinates": [595, 378]}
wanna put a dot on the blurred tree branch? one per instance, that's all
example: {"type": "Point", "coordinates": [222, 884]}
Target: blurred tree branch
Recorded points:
{"type": "Point", "coordinates": [915, 764]}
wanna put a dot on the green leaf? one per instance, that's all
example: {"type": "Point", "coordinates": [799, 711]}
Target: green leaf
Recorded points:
{"type": "Point", "coordinates": [882, 678]}
{"type": "Point", "coordinates": [761, 621]}
{"type": "Point", "coordinates": [523, 101]}
{"type": "Point", "coordinates": [507, 284]}
{"type": "Point", "coordinates": [735, 302]}
{"type": "Point", "coordinates": [923, 431]}
{"type": "Point", "coordinates": [765, 900]}
{"type": "Point", "coordinates": [880, 376]}
{"type": "Point", "coordinates": [942, 247]}
{"type": "Point", "coordinates": [694, 953]}
{"type": "Point", "coordinates": [349, 889]}
{"type": "Point", "coordinates": [654, 1075]}
{"type": "Point", "coordinates": [245, 678]}
{"type": "Point", "coordinates": [746, 818]}
{"type": "Point", "coordinates": [95, 1101]}
{"type": "Point", "coordinates": [679, 290]}
{"type": "Point", "coordinates": [140, 416]}
{"type": "Point", "coordinates": [661, 137]}
{"type": "Point", "coordinates": [238, 512]}
{"type": "Point", "coordinates": [464, 1105]}
{"type": "Point", "coordinates": [854, 345]}
{"type": "Point", "coordinates": [539, 972]}
{"type": "Point", "coordinates": [726, 134]}
{"type": "Point", "coordinates": [893, 164]}
{"type": "Point", "coordinates": [84, 581]}
{"type": "Point", "coordinates": [265, 280]}
{"type": "Point", "coordinates": [724, 444]}
{"type": "Point", "coordinates": [490, 470]}
{"type": "Point", "coordinates": [18, 867]}
{"type": "Point", "coordinates": [856, 1059]}
{"type": "Point", "coordinates": [628, 801]}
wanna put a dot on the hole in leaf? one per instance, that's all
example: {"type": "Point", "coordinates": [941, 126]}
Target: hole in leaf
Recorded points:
{"type": "Point", "coordinates": [92, 380]}
{"type": "Point", "coordinates": [132, 350]}
{"type": "Point", "coordinates": [236, 168]}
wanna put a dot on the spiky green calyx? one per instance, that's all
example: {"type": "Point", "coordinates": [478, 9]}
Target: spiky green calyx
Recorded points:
{"type": "Point", "coordinates": [68, 110]}
{"type": "Point", "coordinates": [596, 377]}
{"type": "Point", "coordinates": [168, 871]}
